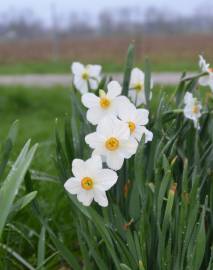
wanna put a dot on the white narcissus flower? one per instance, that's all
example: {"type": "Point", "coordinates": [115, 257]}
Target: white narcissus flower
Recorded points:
{"type": "Point", "coordinates": [136, 120]}
{"type": "Point", "coordinates": [192, 109]}
{"type": "Point", "coordinates": [137, 87]}
{"type": "Point", "coordinates": [90, 181]}
{"type": "Point", "coordinates": [112, 141]}
{"type": "Point", "coordinates": [85, 76]}
{"type": "Point", "coordinates": [106, 104]}
{"type": "Point", "coordinates": [206, 80]}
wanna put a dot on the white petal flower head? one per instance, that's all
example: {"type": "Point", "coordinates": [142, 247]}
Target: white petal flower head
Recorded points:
{"type": "Point", "coordinates": [136, 120]}
{"type": "Point", "coordinates": [85, 76]}
{"type": "Point", "coordinates": [192, 109]}
{"type": "Point", "coordinates": [90, 181]}
{"type": "Point", "coordinates": [112, 141]}
{"type": "Point", "coordinates": [106, 104]}
{"type": "Point", "coordinates": [206, 80]}
{"type": "Point", "coordinates": [137, 87]}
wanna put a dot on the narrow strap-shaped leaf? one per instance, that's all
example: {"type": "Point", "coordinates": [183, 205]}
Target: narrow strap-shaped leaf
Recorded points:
{"type": "Point", "coordinates": [64, 251]}
{"type": "Point", "coordinates": [8, 147]}
{"type": "Point", "coordinates": [128, 68]}
{"type": "Point", "coordinates": [13, 182]}
{"type": "Point", "coordinates": [147, 82]}
{"type": "Point", "coordinates": [17, 256]}
{"type": "Point", "coordinates": [41, 248]}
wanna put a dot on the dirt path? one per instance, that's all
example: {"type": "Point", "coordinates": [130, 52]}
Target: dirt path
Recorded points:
{"type": "Point", "coordinates": [48, 80]}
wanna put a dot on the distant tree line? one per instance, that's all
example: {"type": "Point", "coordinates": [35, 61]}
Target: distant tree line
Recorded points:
{"type": "Point", "coordinates": [123, 21]}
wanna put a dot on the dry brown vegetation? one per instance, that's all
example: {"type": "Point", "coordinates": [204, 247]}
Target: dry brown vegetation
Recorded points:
{"type": "Point", "coordinates": [107, 48]}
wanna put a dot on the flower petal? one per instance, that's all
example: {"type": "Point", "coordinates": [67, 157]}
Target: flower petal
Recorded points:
{"type": "Point", "coordinates": [121, 130]}
{"type": "Point", "coordinates": [93, 140]}
{"type": "Point", "coordinates": [95, 115]}
{"type": "Point", "coordinates": [101, 198]}
{"type": "Point", "coordinates": [114, 160]}
{"type": "Point", "coordinates": [204, 81]}
{"type": "Point", "coordinates": [128, 148]}
{"type": "Point", "coordinates": [77, 68]}
{"type": "Point", "coordinates": [80, 84]}
{"type": "Point", "coordinates": [188, 98]}
{"type": "Point", "coordinates": [148, 134]}
{"type": "Point", "coordinates": [132, 95]}
{"type": "Point", "coordinates": [94, 70]}
{"type": "Point", "coordinates": [137, 134]}
{"type": "Point", "coordinates": [105, 179]}
{"type": "Point", "coordinates": [140, 98]}
{"type": "Point", "coordinates": [90, 100]}
{"type": "Point", "coordinates": [94, 83]}
{"type": "Point", "coordinates": [127, 113]}
{"type": "Point", "coordinates": [94, 163]}
{"type": "Point", "coordinates": [105, 126]}
{"type": "Point", "coordinates": [114, 89]}
{"type": "Point", "coordinates": [211, 82]}
{"type": "Point", "coordinates": [73, 185]}
{"type": "Point", "coordinates": [78, 168]}
{"type": "Point", "coordinates": [142, 117]}
{"type": "Point", "coordinates": [86, 196]}
{"type": "Point", "coordinates": [137, 76]}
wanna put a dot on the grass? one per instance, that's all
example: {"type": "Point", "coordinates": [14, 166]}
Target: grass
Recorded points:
{"type": "Point", "coordinates": [61, 67]}
{"type": "Point", "coordinates": [37, 110]}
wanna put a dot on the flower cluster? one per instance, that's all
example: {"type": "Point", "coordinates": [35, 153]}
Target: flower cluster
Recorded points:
{"type": "Point", "coordinates": [86, 77]}
{"type": "Point", "coordinates": [120, 126]}
{"type": "Point", "coordinates": [192, 109]}
{"type": "Point", "coordinates": [192, 106]}
{"type": "Point", "coordinates": [206, 80]}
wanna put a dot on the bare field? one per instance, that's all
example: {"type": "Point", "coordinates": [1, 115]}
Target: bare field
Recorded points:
{"type": "Point", "coordinates": [165, 53]}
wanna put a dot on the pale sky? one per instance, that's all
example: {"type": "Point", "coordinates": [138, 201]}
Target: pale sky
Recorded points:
{"type": "Point", "coordinates": [42, 8]}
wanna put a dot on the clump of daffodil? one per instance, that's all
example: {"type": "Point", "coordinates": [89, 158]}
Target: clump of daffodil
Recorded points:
{"type": "Point", "coordinates": [112, 141]}
{"type": "Point", "coordinates": [137, 87]}
{"type": "Point", "coordinates": [90, 181]}
{"type": "Point", "coordinates": [106, 103]}
{"type": "Point", "coordinates": [136, 120]}
{"type": "Point", "coordinates": [85, 77]}
{"type": "Point", "coordinates": [192, 109]}
{"type": "Point", "coordinates": [206, 80]}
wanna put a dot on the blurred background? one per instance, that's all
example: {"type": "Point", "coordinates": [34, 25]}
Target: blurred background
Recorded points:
{"type": "Point", "coordinates": [46, 36]}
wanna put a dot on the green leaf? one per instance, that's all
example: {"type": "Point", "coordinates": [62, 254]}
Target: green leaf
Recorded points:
{"type": "Point", "coordinates": [17, 256]}
{"type": "Point", "coordinates": [128, 69]}
{"type": "Point", "coordinates": [22, 202]}
{"type": "Point", "coordinates": [125, 267]}
{"type": "Point", "coordinates": [200, 244]}
{"type": "Point", "coordinates": [64, 251]}
{"type": "Point", "coordinates": [147, 82]}
{"type": "Point", "coordinates": [8, 146]}
{"type": "Point", "coordinates": [13, 182]}
{"type": "Point", "coordinates": [138, 166]}
{"type": "Point", "coordinates": [41, 248]}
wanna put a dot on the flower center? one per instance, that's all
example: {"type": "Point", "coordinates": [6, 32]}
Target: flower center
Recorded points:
{"type": "Point", "coordinates": [195, 109]}
{"type": "Point", "coordinates": [138, 87]}
{"type": "Point", "coordinates": [104, 102]}
{"type": "Point", "coordinates": [85, 76]}
{"type": "Point", "coordinates": [87, 183]}
{"type": "Point", "coordinates": [131, 126]}
{"type": "Point", "coordinates": [112, 144]}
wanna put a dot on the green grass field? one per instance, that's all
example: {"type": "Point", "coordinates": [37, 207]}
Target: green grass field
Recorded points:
{"type": "Point", "coordinates": [37, 110]}
{"type": "Point", "coordinates": [61, 67]}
